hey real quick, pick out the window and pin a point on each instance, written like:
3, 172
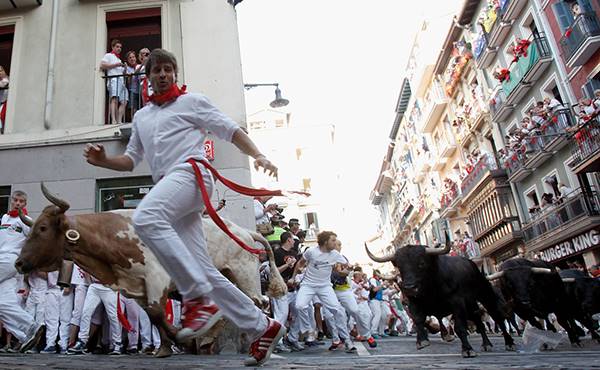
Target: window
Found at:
306, 185
551, 182
591, 85
279, 123
4, 199
123, 193
257, 125
532, 200
136, 29
298, 153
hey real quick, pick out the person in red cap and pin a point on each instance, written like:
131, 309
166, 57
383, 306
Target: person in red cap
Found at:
168, 132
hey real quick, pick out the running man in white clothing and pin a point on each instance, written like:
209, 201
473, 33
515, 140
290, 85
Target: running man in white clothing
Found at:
168, 132
320, 262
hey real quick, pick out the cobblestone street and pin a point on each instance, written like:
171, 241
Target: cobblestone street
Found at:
392, 353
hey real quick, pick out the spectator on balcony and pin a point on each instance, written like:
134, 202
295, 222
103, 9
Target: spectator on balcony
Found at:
576, 10
114, 68
3, 97
133, 82
596, 101
565, 191
144, 84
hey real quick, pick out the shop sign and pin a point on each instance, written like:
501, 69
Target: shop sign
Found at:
569, 247
209, 149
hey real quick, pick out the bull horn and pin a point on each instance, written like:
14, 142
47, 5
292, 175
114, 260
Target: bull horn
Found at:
568, 280
541, 270
440, 251
64, 206
26, 219
495, 275
378, 259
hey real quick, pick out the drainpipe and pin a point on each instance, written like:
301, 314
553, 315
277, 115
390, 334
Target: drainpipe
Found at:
564, 77
51, 58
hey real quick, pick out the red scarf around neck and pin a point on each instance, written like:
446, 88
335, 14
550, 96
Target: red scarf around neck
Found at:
15, 213
173, 93
115, 54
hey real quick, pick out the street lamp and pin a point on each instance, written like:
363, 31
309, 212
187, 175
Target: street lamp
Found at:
279, 101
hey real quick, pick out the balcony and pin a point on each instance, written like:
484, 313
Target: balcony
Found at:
573, 209
581, 40
447, 148
516, 168
484, 55
484, 165
527, 69
498, 107
500, 27
450, 199
585, 148
439, 163
513, 9
435, 103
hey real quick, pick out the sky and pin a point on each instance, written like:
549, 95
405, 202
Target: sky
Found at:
339, 62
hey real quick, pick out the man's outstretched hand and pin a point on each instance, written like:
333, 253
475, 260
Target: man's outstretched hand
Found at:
268, 167
94, 154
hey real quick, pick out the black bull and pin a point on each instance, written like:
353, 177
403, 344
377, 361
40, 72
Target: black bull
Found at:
534, 289
584, 294
440, 285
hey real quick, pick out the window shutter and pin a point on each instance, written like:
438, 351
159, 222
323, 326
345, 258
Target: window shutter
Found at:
563, 15
589, 87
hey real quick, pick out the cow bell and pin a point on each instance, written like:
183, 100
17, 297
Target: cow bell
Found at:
65, 273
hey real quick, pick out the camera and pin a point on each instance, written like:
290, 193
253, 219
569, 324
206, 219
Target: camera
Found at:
279, 210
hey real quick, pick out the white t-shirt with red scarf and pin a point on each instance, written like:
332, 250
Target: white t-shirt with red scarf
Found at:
13, 233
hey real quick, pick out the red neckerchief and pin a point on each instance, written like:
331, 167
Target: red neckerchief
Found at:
173, 93
15, 213
115, 54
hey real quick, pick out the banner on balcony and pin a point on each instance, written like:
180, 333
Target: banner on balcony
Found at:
572, 246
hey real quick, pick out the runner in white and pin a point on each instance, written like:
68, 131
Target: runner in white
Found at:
320, 261
168, 132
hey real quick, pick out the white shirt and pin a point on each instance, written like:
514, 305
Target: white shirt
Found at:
172, 133
110, 58
259, 213
13, 233
319, 266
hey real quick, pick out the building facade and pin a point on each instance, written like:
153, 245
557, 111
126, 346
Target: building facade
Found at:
56, 100
501, 134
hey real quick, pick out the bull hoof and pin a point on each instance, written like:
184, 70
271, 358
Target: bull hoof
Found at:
423, 344
510, 347
486, 348
164, 351
448, 338
469, 353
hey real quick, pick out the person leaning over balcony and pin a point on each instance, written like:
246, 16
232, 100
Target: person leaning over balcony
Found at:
3, 96
112, 64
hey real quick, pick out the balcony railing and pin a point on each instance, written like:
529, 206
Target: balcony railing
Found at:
483, 166
480, 46
586, 142
435, 102
121, 100
585, 26
497, 104
537, 50
571, 208
448, 198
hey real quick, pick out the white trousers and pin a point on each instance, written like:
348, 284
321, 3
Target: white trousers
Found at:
52, 314
281, 309
65, 304
35, 305
300, 320
328, 300
80, 293
13, 317
348, 301
132, 309
364, 311
169, 222
148, 332
375, 306
97, 294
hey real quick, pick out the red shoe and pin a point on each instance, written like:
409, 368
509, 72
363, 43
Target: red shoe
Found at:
261, 349
197, 319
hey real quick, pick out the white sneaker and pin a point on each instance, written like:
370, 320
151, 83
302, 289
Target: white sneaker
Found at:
34, 334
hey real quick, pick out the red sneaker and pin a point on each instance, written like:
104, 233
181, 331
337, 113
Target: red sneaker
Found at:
197, 319
261, 349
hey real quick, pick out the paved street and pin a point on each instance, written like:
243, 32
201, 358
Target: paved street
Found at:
392, 353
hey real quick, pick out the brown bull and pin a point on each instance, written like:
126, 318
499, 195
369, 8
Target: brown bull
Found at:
109, 250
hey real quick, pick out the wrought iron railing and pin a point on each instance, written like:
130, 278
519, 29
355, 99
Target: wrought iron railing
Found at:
538, 49
120, 88
483, 165
586, 25
586, 141
569, 209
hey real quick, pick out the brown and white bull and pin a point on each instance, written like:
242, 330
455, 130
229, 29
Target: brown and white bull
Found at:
109, 249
